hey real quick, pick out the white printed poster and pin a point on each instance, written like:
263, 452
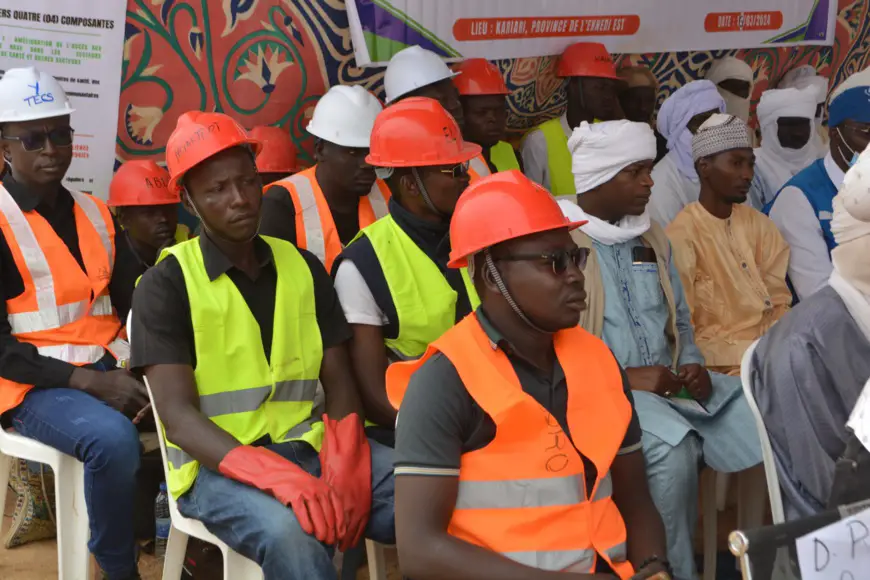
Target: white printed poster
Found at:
492, 29
80, 43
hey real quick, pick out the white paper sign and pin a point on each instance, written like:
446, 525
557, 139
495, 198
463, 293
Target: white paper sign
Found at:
840, 551
80, 43
859, 420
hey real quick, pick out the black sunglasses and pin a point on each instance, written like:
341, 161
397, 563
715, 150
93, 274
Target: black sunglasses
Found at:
35, 141
456, 171
558, 260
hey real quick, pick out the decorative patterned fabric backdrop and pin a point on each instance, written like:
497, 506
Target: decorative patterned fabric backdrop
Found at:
268, 61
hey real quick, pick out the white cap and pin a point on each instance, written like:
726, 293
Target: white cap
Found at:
345, 116
27, 94
413, 68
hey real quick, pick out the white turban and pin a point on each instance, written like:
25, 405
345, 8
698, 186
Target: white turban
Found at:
776, 103
806, 77
727, 68
600, 151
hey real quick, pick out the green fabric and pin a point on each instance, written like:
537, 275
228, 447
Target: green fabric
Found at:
425, 303
503, 157
558, 158
240, 391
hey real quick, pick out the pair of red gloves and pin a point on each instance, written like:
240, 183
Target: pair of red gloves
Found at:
335, 508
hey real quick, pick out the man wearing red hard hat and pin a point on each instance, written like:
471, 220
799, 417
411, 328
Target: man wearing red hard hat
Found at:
148, 211
234, 332
593, 96
392, 280
518, 450
483, 94
277, 160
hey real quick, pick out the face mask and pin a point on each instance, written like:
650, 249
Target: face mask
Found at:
855, 154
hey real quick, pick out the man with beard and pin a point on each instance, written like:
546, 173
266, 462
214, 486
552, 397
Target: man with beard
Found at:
148, 212
593, 96
731, 258
322, 208
636, 305
393, 282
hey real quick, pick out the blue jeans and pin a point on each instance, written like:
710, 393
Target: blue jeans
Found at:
259, 527
80, 425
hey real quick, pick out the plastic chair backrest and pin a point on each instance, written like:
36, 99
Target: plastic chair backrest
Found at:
773, 489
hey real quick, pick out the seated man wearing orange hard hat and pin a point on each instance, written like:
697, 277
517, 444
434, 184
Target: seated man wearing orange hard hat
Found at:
518, 450
148, 212
417, 72
392, 280
234, 331
593, 95
322, 208
483, 94
277, 160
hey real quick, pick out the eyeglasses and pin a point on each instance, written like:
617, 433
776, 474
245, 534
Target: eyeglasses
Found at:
456, 171
59, 137
558, 260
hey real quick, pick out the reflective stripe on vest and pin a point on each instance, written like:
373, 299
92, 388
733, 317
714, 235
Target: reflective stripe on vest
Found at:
558, 158
64, 309
504, 157
524, 494
315, 227
478, 168
424, 300
239, 390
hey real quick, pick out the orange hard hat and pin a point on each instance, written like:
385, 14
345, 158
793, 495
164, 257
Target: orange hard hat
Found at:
498, 208
479, 77
418, 132
141, 183
279, 152
586, 59
198, 136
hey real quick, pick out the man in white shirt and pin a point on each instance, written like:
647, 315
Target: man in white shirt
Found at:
802, 210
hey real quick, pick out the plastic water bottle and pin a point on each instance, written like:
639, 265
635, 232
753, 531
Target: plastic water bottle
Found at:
162, 521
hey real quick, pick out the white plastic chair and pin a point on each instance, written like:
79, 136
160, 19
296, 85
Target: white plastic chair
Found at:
73, 557
773, 490
236, 566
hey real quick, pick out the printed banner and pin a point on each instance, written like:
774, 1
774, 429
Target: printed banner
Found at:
80, 43
494, 29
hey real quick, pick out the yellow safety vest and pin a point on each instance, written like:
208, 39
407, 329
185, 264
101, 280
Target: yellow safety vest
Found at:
503, 156
424, 300
558, 158
182, 233
239, 390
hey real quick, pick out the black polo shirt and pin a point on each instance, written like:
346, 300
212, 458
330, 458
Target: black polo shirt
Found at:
162, 330
279, 217
439, 421
20, 362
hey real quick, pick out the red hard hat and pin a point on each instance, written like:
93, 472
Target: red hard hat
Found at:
141, 183
418, 132
197, 137
279, 152
501, 207
586, 59
479, 77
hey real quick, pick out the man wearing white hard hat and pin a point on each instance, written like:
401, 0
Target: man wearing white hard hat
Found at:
322, 208
812, 366
60, 349
417, 72
803, 209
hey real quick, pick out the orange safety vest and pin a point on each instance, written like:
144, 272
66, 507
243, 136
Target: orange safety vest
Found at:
66, 313
524, 495
478, 168
315, 228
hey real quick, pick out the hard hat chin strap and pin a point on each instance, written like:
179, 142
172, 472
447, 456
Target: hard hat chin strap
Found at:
209, 229
499, 282
426, 198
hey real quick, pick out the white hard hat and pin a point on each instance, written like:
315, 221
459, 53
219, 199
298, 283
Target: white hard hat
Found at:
413, 68
28, 94
345, 116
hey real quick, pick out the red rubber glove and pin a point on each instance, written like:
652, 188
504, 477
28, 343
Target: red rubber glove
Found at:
346, 462
317, 507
